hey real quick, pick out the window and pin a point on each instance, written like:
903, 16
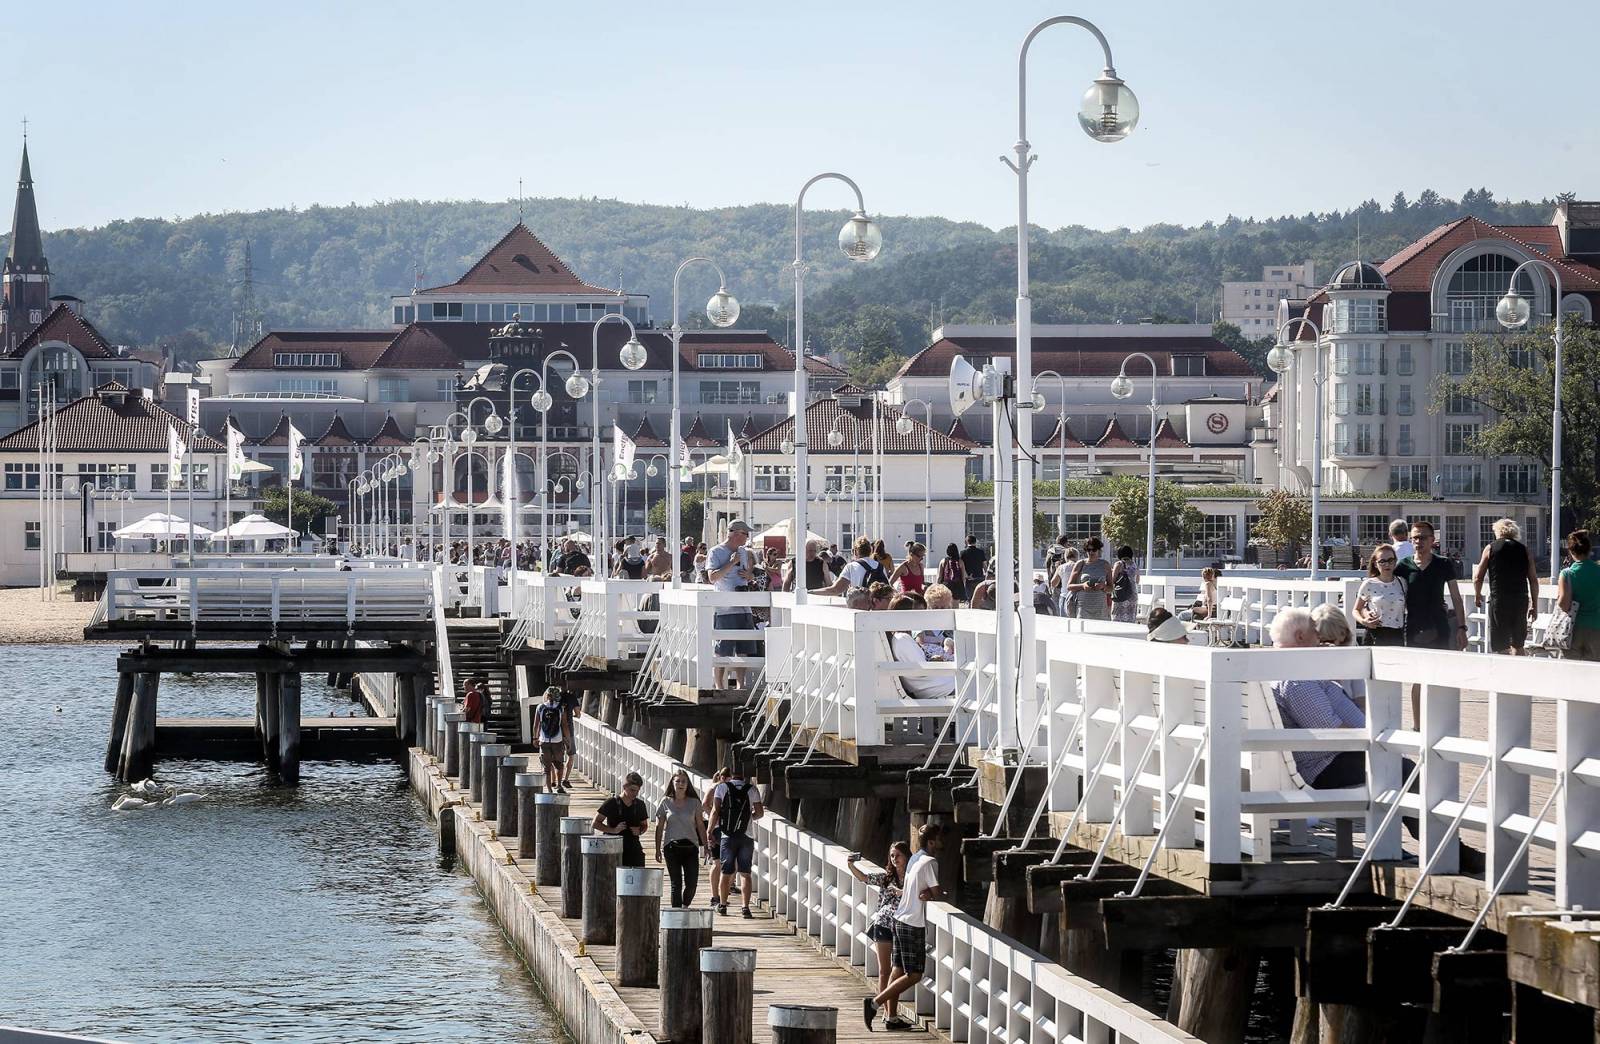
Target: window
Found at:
1364, 444
1402, 443
730, 393
8, 379
841, 478
1335, 527
1461, 438
104, 541
22, 476
1188, 366
306, 360
728, 361
1341, 439
1520, 357
202, 478
1476, 288
642, 391
980, 528
1456, 402
1372, 529
1341, 360
394, 389
774, 478
107, 476
1341, 400
1364, 315
1403, 366
332, 470
1461, 480
303, 385
1455, 533
1214, 536
444, 389
1518, 480
919, 533
1485, 529
1457, 358
1365, 401
1408, 478
1366, 358
30, 536
1402, 403
1078, 528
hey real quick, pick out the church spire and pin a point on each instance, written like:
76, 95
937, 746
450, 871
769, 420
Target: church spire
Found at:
26, 253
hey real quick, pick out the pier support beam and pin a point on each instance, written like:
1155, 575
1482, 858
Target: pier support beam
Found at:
289, 727
267, 712
119, 719
406, 729
1211, 991
700, 751
139, 736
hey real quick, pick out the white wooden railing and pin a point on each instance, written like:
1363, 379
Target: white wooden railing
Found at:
688, 633
611, 624
229, 595
550, 605
980, 985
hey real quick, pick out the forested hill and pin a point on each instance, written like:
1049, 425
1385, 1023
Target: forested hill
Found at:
150, 281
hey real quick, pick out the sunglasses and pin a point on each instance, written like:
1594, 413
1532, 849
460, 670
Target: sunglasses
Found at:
1386, 561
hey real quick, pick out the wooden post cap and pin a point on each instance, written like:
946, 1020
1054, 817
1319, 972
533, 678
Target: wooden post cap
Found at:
727, 959
526, 780
575, 824
802, 1016
677, 919
600, 844
637, 880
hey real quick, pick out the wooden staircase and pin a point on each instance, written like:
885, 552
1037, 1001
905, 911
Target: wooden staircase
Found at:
475, 649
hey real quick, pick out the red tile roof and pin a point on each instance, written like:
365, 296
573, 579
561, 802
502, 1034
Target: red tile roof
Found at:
111, 420
697, 437
521, 262
389, 434
1054, 440
278, 436
1413, 268
958, 431
645, 435
435, 346
63, 324
357, 349
337, 434
748, 432
1114, 437
854, 421
1167, 437
1080, 356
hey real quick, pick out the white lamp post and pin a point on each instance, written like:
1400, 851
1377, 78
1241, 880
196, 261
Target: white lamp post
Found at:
905, 426
632, 356
860, 239
577, 386
1108, 113
1061, 456
1122, 388
1514, 311
723, 311
1279, 359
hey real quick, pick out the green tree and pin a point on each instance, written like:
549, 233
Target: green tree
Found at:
1285, 521
1125, 518
691, 513
309, 508
1509, 376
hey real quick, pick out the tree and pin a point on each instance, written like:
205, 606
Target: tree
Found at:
1285, 521
309, 508
692, 513
1508, 376
1254, 351
1124, 521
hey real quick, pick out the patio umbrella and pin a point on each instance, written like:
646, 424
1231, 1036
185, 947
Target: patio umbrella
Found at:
160, 526
253, 527
782, 530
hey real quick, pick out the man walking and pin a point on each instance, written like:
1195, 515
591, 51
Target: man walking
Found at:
626, 815
972, 560
910, 947
728, 568
735, 804
549, 732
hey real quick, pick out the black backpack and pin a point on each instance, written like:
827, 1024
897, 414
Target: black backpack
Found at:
1122, 590
550, 721
736, 807
874, 574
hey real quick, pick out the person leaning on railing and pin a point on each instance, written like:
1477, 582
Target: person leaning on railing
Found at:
889, 883
907, 649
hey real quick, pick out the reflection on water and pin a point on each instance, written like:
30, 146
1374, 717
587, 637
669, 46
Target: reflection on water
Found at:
264, 913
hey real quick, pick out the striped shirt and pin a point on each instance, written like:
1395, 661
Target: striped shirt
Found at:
1315, 704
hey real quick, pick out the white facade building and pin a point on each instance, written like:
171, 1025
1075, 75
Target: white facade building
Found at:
1252, 306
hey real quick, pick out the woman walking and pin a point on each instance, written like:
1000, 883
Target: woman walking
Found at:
911, 575
1578, 592
889, 883
713, 840
1125, 587
1090, 581
680, 837
952, 573
1381, 599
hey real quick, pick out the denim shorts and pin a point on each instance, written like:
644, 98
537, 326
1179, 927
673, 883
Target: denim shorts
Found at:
738, 854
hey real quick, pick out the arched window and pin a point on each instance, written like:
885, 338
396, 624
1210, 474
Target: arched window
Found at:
479, 480
1477, 286
1576, 306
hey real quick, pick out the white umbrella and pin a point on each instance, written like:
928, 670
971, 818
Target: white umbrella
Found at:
782, 530
717, 465
253, 467
580, 537
253, 527
160, 526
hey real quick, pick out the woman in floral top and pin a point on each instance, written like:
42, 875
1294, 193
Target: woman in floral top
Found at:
879, 929
1381, 599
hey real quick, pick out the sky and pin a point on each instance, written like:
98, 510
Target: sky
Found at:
165, 109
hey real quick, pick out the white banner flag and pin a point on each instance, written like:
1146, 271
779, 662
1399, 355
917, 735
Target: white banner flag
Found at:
685, 465
297, 464
175, 448
623, 450
193, 404
235, 453
734, 456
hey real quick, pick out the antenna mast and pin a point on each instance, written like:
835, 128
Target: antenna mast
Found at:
247, 326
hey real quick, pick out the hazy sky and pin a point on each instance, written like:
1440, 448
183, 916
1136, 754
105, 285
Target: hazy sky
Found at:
165, 108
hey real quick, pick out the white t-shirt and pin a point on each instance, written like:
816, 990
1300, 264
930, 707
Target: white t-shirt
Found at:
922, 872
855, 573
1404, 549
906, 650
1387, 601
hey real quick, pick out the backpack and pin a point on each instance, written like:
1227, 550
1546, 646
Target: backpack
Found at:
736, 807
874, 572
1122, 590
948, 574
550, 721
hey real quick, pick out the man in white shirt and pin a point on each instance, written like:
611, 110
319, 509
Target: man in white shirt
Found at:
862, 571
1399, 529
910, 949
729, 568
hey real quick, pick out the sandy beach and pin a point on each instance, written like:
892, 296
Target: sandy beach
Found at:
26, 618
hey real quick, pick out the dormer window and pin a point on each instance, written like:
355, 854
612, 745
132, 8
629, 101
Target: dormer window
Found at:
306, 360
728, 361
1358, 315
1188, 366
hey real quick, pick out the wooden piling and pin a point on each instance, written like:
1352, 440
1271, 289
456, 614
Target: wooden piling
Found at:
684, 933
488, 777
573, 830
511, 766
450, 748
269, 717
529, 785
119, 719
602, 854
464, 733
803, 1024
549, 823
406, 729
139, 738
289, 727
421, 691
727, 994
638, 922
476, 742
700, 751
1211, 991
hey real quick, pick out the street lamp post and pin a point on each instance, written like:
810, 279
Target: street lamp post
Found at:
861, 240
1122, 387
904, 426
722, 310
1514, 311
1061, 447
632, 356
1279, 359
1108, 113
